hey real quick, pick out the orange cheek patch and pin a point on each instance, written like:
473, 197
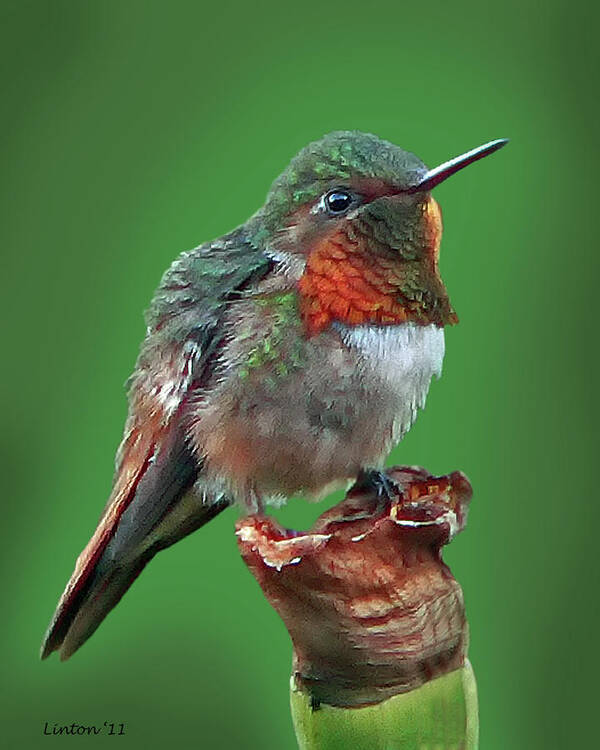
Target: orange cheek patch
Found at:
433, 227
341, 283
346, 280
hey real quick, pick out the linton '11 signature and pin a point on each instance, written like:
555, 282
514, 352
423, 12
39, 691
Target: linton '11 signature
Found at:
106, 728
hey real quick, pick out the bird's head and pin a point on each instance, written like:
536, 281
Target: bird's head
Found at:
356, 212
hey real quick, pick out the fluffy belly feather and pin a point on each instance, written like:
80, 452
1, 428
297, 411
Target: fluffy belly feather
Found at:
354, 395
400, 361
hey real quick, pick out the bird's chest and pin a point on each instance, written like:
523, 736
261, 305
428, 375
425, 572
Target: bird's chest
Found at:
394, 365
292, 413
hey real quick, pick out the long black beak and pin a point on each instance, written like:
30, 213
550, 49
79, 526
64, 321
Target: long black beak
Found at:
439, 174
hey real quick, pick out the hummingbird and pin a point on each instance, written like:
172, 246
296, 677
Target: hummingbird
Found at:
287, 357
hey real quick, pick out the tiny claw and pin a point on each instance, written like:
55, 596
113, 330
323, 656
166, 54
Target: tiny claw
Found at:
373, 482
378, 481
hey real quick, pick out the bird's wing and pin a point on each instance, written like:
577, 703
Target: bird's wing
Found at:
149, 507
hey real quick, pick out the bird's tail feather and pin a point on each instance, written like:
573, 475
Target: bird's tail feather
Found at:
149, 509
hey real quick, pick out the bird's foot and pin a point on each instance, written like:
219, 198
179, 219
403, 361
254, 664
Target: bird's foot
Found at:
379, 488
375, 480
254, 503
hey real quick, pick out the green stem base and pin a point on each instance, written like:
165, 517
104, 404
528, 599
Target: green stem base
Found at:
440, 715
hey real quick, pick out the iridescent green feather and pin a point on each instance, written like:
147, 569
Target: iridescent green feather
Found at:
279, 352
331, 161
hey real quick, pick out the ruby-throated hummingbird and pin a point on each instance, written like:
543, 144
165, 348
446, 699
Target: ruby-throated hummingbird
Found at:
286, 357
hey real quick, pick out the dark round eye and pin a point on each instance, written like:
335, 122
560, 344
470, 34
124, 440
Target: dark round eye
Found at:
338, 201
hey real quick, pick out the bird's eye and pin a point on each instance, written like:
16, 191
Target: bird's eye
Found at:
337, 202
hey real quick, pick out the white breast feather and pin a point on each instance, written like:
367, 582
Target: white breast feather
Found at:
402, 359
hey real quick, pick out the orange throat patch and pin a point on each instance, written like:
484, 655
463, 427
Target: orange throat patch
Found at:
347, 281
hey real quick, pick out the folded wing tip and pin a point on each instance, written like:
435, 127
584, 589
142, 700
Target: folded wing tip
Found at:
50, 641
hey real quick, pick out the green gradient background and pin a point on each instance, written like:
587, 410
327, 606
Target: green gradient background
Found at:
135, 130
